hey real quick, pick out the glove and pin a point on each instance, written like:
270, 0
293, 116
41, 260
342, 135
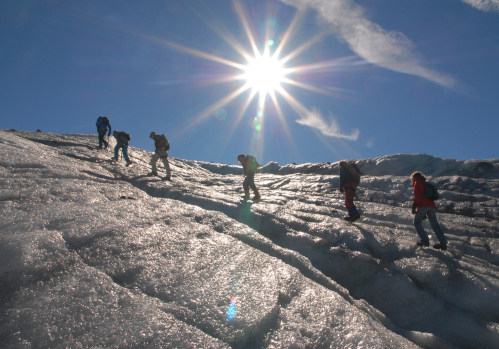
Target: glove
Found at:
414, 209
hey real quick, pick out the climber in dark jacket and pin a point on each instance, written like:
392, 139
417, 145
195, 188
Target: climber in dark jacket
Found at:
102, 127
249, 168
122, 139
349, 180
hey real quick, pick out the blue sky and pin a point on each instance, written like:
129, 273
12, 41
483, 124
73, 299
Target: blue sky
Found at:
360, 78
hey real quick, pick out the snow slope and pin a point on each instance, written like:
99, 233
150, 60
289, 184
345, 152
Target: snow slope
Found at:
93, 254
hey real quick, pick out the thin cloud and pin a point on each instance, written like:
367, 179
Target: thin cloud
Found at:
484, 5
314, 119
390, 50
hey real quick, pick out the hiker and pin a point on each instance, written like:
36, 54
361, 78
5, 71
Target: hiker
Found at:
102, 127
349, 180
249, 168
122, 139
162, 146
424, 207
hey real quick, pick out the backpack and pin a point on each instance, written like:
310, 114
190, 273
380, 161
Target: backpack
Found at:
253, 163
354, 172
99, 121
119, 134
430, 191
167, 144
102, 121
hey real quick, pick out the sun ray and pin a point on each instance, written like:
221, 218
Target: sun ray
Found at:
334, 65
239, 116
303, 47
280, 114
299, 108
201, 54
227, 36
244, 21
309, 87
292, 28
214, 107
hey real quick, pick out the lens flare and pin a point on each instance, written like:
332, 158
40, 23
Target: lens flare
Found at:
256, 124
231, 310
221, 114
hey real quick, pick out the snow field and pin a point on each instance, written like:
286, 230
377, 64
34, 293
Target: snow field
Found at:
96, 254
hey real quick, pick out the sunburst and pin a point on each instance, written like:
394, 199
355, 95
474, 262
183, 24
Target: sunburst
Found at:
264, 74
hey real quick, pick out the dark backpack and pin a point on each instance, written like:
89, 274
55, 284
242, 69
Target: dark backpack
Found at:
167, 144
99, 122
430, 191
357, 173
351, 173
102, 121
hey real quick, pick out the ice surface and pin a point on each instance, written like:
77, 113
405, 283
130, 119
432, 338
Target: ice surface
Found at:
94, 254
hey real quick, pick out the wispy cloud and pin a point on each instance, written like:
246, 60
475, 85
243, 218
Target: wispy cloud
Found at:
390, 50
314, 119
484, 5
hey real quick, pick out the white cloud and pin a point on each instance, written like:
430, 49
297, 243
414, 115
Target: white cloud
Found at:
314, 119
484, 5
390, 50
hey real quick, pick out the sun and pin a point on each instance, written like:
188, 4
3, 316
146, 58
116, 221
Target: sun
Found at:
264, 74
268, 75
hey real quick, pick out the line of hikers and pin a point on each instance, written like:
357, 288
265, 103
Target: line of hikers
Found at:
423, 204
122, 138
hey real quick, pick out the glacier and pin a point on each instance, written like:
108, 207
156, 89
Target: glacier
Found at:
95, 254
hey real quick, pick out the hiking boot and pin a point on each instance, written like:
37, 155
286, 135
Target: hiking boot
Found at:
167, 178
355, 217
440, 247
423, 243
153, 173
129, 163
256, 197
352, 218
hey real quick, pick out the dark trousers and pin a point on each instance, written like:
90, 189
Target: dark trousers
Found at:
249, 182
102, 134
